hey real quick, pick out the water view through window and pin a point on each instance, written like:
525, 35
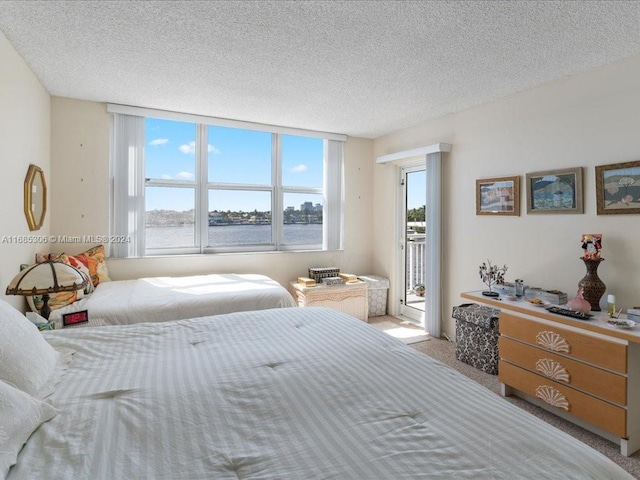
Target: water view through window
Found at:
170, 236
238, 183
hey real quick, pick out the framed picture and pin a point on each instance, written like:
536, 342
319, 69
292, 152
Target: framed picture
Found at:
498, 196
618, 188
555, 191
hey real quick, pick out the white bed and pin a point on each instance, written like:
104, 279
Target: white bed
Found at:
295, 393
159, 299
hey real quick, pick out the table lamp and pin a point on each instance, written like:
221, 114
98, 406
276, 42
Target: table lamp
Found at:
50, 276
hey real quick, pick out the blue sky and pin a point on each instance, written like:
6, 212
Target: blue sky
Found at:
416, 189
234, 156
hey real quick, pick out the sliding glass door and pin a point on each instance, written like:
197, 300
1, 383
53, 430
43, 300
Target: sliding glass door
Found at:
412, 243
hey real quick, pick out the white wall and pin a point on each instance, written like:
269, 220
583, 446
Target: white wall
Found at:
25, 139
586, 120
80, 205
79, 170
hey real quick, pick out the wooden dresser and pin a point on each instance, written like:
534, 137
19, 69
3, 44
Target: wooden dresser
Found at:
583, 370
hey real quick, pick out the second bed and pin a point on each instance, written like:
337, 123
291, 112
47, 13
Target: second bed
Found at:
159, 299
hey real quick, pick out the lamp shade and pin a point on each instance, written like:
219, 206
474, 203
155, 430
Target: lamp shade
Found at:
47, 277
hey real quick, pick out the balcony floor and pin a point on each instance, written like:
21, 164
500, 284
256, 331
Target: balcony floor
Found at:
414, 301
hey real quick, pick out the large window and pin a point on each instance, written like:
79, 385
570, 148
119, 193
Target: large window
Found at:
187, 184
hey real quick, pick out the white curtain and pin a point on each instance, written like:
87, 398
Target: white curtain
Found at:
432, 258
127, 184
334, 195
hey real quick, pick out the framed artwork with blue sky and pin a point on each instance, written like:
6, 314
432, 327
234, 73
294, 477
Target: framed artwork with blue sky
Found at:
618, 188
555, 191
498, 196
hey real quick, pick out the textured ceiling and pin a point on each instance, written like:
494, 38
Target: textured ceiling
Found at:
363, 68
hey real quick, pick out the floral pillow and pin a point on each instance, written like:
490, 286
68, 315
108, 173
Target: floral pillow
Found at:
95, 261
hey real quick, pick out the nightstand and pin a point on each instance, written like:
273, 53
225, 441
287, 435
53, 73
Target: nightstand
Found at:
350, 298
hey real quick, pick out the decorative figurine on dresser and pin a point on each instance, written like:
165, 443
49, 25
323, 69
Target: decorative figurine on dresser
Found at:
592, 287
591, 244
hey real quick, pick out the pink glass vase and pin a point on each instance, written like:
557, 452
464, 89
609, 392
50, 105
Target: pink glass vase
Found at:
579, 304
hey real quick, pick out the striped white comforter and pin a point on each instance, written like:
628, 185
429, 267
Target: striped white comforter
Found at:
159, 299
295, 393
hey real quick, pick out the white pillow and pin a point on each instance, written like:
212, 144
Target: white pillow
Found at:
27, 361
20, 416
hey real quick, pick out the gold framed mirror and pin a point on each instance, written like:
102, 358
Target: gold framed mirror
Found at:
35, 197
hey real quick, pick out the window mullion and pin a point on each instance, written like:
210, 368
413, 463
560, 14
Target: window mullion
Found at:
239, 186
276, 196
150, 182
202, 172
312, 190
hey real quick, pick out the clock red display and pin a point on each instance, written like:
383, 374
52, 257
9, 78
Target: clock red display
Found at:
75, 318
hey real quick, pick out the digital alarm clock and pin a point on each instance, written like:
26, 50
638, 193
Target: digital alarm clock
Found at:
74, 318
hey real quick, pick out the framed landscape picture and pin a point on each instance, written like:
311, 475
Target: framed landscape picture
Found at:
498, 196
555, 191
618, 188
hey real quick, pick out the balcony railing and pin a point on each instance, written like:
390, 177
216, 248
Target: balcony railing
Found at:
415, 260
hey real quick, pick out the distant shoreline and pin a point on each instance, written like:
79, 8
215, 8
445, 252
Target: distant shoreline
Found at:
249, 224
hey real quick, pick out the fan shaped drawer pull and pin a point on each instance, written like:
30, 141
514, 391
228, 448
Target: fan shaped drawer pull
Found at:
552, 369
553, 341
552, 396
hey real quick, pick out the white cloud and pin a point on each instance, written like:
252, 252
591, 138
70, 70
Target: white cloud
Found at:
158, 142
299, 168
166, 176
190, 148
185, 176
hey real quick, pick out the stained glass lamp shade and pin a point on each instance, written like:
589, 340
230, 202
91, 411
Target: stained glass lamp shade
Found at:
44, 278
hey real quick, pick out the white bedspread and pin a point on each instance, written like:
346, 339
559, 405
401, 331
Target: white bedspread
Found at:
159, 299
296, 393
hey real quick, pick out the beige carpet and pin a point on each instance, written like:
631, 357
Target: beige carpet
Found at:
444, 351
406, 331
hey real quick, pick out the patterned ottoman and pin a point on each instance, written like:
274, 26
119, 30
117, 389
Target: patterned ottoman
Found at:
477, 336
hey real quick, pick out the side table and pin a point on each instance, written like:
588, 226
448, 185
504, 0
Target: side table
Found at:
350, 298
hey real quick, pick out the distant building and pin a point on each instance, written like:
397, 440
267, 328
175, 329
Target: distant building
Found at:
290, 209
306, 206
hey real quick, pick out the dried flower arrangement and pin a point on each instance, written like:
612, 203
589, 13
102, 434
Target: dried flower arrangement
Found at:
492, 275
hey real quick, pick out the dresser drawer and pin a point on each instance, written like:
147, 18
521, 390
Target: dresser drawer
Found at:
590, 348
563, 398
602, 383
